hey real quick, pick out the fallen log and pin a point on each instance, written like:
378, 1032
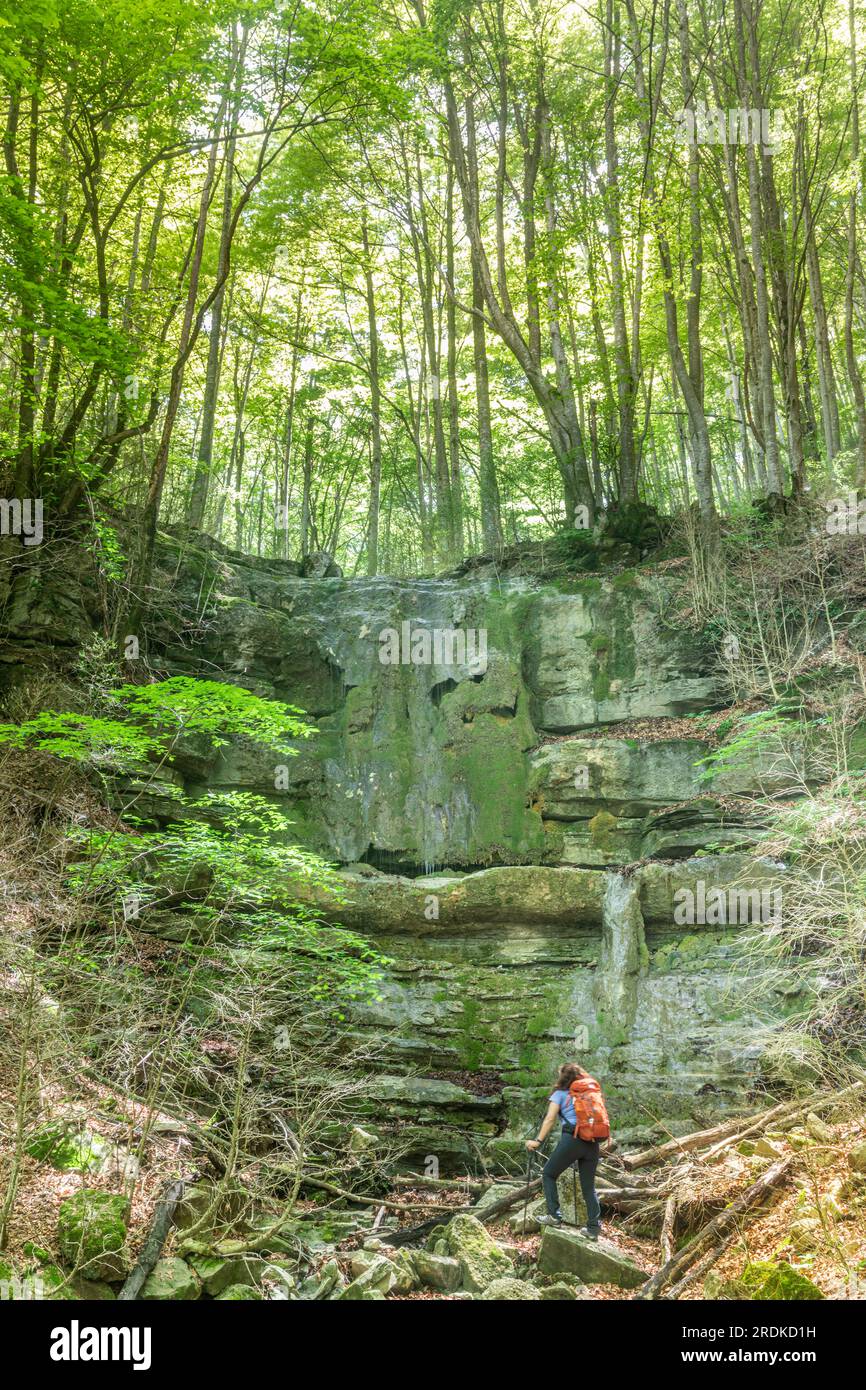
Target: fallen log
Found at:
704, 1264
719, 1226
793, 1110
154, 1241
702, 1138
733, 1131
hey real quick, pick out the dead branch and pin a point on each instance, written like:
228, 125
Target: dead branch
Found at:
718, 1227
156, 1238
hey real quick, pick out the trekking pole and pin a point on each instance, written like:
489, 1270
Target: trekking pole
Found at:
574, 1190
529, 1157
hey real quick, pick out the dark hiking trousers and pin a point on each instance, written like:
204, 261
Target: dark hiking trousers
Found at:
568, 1151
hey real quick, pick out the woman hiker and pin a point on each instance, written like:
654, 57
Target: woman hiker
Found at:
578, 1103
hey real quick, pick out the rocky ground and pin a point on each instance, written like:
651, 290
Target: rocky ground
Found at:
92, 1176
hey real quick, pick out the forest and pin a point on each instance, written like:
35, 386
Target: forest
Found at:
406, 284
432, 652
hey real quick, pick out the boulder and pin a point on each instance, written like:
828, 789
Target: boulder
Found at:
196, 1202
765, 1148
560, 1292
66, 1146
820, 1132
377, 1280
171, 1279
217, 1273
479, 1257
361, 1141
436, 1271
571, 1204
323, 1284
91, 1233
857, 1159
773, 1281
594, 1262
360, 1261
806, 1233
509, 1289
320, 564
238, 1293
494, 1193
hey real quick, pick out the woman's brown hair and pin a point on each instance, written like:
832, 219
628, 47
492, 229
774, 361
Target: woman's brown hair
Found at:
568, 1072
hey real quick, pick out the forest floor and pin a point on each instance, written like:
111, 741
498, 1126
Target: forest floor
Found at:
814, 1221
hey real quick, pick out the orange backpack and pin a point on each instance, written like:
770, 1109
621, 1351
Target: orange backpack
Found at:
589, 1107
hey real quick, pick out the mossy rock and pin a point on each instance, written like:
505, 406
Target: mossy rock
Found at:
217, 1274
509, 1289
67, 1148
772, 1281
857, 1159
480, 1258
45, 1282
171, 1280
239, 1293
91, 1233
558, 1293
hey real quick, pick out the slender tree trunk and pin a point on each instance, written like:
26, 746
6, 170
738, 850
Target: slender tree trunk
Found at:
749, 98
453, 401
204, 460
375, 406
624, 380
488, 485
823, 353
307, 488
854, 374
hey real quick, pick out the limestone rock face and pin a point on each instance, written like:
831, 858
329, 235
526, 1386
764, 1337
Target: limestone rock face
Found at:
479, 776
594, 1262
524, 894
598, 655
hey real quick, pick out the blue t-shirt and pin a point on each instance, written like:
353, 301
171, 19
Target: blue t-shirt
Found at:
566, 1106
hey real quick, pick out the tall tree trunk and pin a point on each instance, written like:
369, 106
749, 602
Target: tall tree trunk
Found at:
453, 401
204, 460
854, 374
560, 414
307, 487
375, 406
624, 380
749, 97
823, 353
488, 485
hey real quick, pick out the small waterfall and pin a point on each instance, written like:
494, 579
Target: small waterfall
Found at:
623, 955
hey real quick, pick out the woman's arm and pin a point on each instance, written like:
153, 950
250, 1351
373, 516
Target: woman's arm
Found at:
546, 1126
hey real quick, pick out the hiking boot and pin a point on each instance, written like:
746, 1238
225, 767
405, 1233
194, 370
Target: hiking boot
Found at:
550, 1220
589, 1234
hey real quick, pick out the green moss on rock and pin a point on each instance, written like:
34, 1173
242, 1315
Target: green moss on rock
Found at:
172, 1280
480, 1258
772, 1280
91, 1233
